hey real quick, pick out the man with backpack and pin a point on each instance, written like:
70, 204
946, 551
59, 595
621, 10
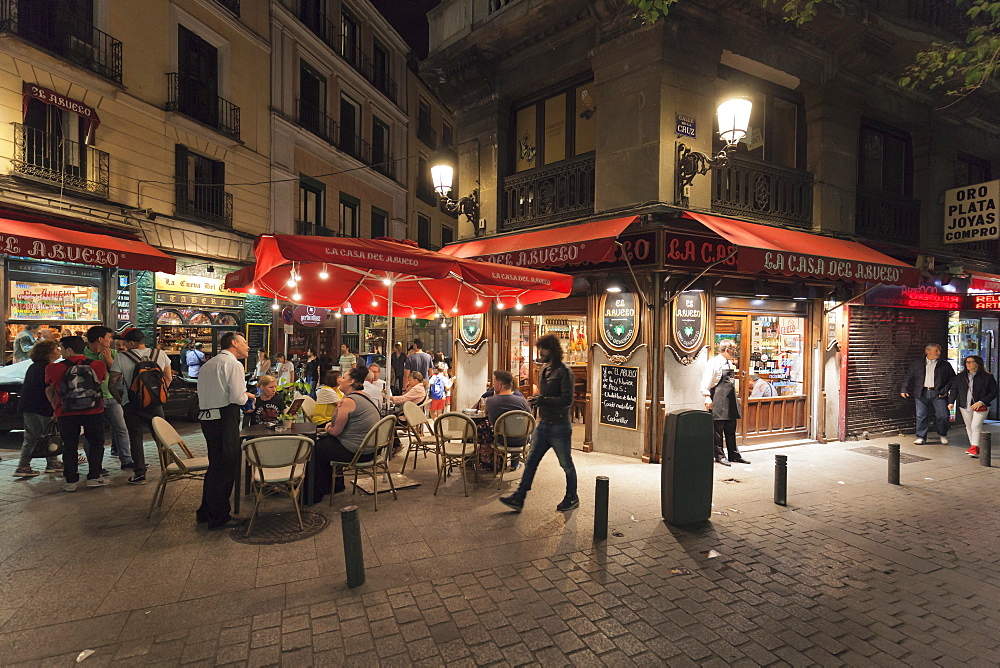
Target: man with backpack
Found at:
100, 347
146, 375
73, 387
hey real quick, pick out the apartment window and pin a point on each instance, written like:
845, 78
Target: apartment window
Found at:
776, 133
553, 129
423, 231
447, 235
198, 77
380, 223
380, 65
447, 136
970, 169
311, 217
425, 185
312, 98
200, 187
350, 36
425, 132
349, 207
885, 160
380, 146
350, 126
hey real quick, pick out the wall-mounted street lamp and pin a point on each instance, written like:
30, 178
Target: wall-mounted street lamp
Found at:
734, 121
442, 175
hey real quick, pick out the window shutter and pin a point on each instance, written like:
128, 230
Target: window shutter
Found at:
181, 174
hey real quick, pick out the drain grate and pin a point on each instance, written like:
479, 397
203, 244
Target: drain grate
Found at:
883, 453
279, 528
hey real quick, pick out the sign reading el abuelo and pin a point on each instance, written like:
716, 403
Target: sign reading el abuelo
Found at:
620, 320
970, 213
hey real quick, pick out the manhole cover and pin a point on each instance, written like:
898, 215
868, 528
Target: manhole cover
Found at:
883, 453
278, 528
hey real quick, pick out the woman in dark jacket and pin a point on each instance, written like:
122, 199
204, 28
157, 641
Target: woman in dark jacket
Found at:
36, 409
973, 391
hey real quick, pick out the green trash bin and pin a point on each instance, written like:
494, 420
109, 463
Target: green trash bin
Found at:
687, 467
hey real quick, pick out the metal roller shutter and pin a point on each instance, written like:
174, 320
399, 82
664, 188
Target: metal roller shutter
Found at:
882, 342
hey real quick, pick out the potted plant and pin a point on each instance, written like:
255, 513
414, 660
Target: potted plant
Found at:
286, 420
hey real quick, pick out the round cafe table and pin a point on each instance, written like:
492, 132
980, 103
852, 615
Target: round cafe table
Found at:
261, 431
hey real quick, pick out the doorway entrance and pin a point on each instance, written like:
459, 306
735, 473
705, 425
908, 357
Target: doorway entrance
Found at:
771, 374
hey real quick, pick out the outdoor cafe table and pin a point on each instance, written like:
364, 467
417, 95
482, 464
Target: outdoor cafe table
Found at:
261, 431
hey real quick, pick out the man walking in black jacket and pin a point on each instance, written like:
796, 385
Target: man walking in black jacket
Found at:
929, 380
554, 430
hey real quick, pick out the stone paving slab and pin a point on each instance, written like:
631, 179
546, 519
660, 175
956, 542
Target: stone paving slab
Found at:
852, 572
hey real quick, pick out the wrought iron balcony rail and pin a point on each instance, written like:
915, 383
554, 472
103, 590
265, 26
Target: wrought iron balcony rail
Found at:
189, 95
384, 164
66, 35
208, 203
317, 22
497, 5
882, 216
756, 189
231, 5
314, 230
351, 51
558, 192
427, 135
945, 16
313, 119
57, 160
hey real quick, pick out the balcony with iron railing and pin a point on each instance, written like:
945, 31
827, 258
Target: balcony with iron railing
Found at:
549, 194
756, 189
190, 96
204, 202
231, 5
60, 162
65, 35
888, 217
314, 230
427, 135
315, 120
316, 21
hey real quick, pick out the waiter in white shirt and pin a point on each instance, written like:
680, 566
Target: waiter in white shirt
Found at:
928, 380
221, 394
718, 386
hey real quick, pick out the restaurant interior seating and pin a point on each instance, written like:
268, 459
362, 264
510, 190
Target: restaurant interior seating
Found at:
510, 425
455, 434
173, 466
278, 465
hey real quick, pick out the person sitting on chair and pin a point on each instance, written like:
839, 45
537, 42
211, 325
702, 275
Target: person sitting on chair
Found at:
355, 416
413, 390
268, 406
328, 395
503, 401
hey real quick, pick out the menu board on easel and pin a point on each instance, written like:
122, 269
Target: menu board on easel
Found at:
619, 396
257, 337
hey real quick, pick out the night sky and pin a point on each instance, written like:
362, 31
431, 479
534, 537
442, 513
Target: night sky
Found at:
409, 18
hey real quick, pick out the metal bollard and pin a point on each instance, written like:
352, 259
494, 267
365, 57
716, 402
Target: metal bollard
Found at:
894, 463
354, 557
985, 448
781, 480
601, 495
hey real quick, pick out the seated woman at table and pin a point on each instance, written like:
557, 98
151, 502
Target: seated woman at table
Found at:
268, 406
356, 415
413, 390
328, 395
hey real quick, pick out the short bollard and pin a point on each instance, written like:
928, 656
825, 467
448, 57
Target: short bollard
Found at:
781, 480
353, 555
894, 463
985, 449
601, 508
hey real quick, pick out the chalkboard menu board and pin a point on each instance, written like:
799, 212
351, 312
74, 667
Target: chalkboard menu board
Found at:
257, 337
619, 396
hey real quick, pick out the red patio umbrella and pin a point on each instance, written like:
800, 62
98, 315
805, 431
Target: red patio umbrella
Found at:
386, 276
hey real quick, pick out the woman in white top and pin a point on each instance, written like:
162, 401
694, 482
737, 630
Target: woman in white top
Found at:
263, 367
328, 396
284, 370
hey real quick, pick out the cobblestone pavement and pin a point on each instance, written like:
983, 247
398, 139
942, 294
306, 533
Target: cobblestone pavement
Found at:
852, 572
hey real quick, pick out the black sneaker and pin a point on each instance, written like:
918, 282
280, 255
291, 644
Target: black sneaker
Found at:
137, 480
513, 502
568, 504
127, 465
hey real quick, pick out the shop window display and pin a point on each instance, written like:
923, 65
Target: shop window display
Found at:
963, 339
776, 355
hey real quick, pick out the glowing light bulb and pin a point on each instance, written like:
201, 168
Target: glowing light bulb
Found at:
479, 302
374, 302
336, 314
252, 290
518, 306
413, 315
323, 274
274, 306
500, 305
291, 281
386, 281
443, 324
296, 297
296, 277
454, 309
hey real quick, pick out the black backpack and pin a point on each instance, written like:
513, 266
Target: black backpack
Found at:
148, 388
80, 390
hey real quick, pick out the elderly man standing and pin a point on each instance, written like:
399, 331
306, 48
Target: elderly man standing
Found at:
221, 395
928, 380
718, 385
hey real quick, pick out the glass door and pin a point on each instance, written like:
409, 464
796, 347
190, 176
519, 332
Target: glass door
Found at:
520, 359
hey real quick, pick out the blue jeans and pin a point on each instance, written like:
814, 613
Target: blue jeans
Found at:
924, 401
114, 416
555, 435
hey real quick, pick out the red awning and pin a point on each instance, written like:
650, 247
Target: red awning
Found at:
543, 249
47, 242
984, 282
777, 250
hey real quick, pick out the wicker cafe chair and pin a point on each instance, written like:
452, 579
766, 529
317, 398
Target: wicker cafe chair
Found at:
173, 466
416, 420
511, 425
379, 440
278, 464
456, 444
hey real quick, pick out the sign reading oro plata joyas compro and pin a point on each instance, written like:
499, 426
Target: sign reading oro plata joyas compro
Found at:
619, 320
619, 396
970, 213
